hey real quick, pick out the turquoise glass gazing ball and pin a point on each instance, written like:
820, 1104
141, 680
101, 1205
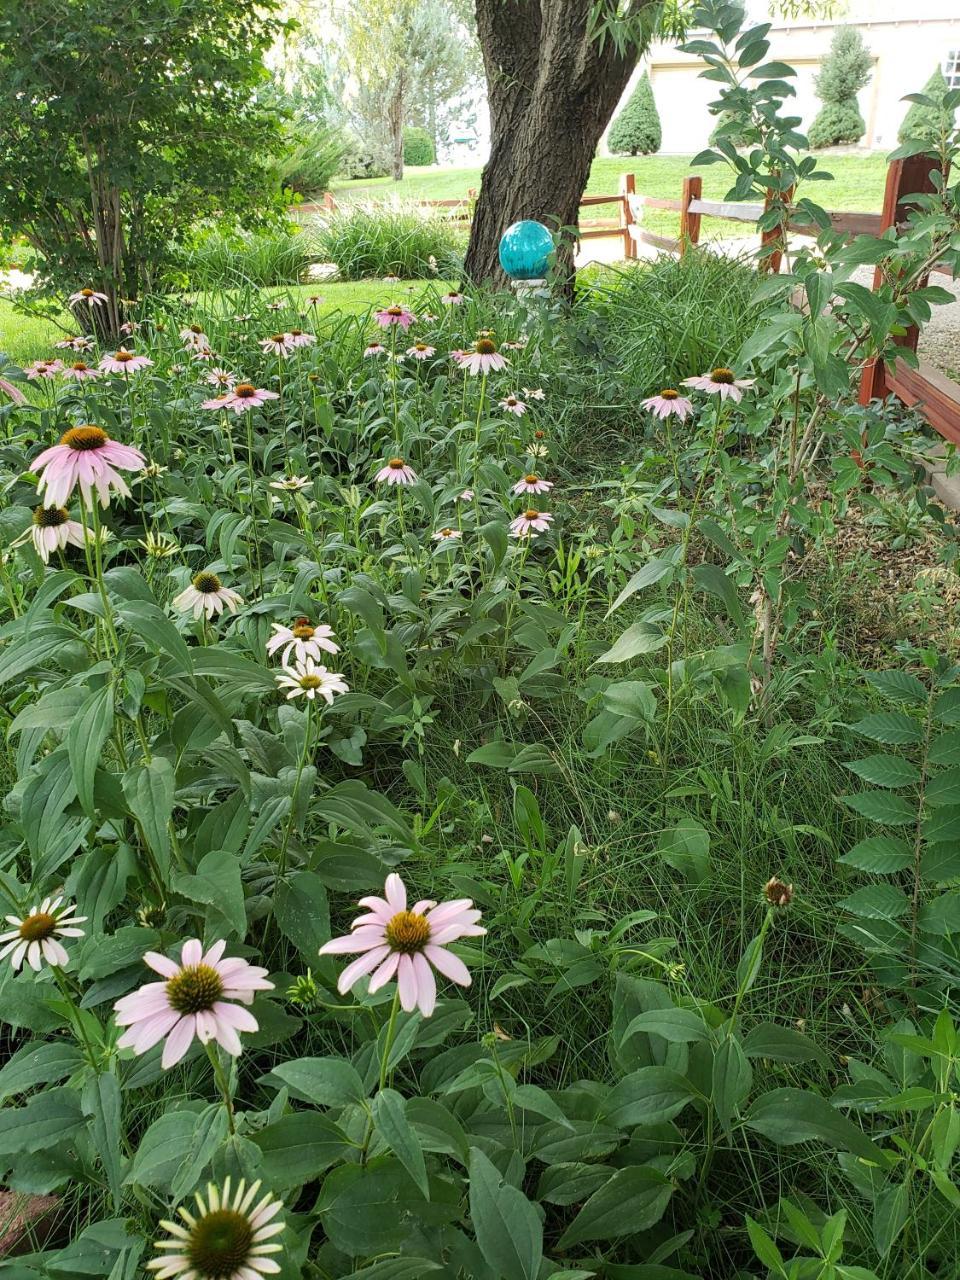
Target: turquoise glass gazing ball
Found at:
525, 250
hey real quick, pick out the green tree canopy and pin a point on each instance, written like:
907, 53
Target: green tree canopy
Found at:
925, 120
120, 128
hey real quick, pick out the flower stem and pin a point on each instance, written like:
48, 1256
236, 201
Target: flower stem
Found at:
388, 1042
223, 1084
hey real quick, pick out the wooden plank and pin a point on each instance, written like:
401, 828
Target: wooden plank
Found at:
588, 200
658, 202
731, 210
628, 188
658, 242
930, 391
690, 222
599, 233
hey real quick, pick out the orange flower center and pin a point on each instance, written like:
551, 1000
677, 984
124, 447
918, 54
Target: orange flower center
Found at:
279, 338
245, 390
532, 478
80, 366
668, 393
194, 989
37, 927
531, 514
123, 356
722, 375
302, 629
87, 293
396, 464
84, 438
408, 932
394, 311
485, 347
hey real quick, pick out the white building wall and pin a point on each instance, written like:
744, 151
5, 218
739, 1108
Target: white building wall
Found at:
905, 49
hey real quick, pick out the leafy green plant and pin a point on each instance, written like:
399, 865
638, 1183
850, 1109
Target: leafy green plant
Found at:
927, 113
386, 238
215, 258
418, 147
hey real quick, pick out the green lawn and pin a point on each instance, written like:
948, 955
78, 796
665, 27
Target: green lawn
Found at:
858, 181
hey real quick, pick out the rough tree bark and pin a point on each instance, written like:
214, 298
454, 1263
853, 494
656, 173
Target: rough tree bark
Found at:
552, 90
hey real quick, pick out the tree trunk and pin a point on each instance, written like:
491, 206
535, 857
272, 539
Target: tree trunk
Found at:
552, 90
395, 120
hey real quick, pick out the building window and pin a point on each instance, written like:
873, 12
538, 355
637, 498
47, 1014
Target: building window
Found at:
951, 68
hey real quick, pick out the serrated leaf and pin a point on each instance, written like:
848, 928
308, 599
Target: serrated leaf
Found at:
898, 684
881, 855
885, 771
877, 902
880, 806
893, 727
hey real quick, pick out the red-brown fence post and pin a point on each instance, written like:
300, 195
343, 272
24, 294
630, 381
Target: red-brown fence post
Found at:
774, 236
328, 202
690, 222
628, 187
904, 178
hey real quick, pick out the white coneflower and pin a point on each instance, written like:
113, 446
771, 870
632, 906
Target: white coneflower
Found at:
226, 1237
303, 640
290, 484
534, 393
447, 535
192, 335
279, 344
306, 679
159, 545
52, 530
34, 937
721, 382
207, 595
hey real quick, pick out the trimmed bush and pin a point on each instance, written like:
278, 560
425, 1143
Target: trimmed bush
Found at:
844, 72
923, 120
315, 156
361, 160
418, 146
636, 130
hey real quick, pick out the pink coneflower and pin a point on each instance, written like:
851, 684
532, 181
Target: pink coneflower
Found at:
34, 937
307, 679
303, 640
447, 535
396, 472
534, 393
532, 483
375, 349
513, 405
246, 396
531, 522
721, 382
89, 297
483, 358
224, 1237
207, 595
193, 335
669, 402
466, 496
420, 351
278, 344
85, 456
297, 338
124, 361
79, 371
130, 326
43, 369
518, 345
453, 298
394, 315
219, 378
14, 392
407, 944
52, 530
75, 344
222, 401
202, 354
278, 305
193, 1000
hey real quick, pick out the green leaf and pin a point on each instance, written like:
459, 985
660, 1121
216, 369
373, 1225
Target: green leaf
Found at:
885, 771
712, 579
217, 884
789, 1116
150, 623
881, 855
630, 698
646, 1097
209, 1133
637, 639
783, 1044
299, 1147
894, 727
941, 916
943, 788
900, 685
507, 1226
38, 1063
326, 1082
876, 902
764, 1247
390, 1121
879, 806
88, 731
732, 1080
405, 1268
160, 1153
368, 1209
100, 1101
43, 1122
633, 1200
646, 576
303, 913
149, 790
680, 1026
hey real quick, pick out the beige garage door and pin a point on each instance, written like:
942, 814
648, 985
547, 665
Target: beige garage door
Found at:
682, 98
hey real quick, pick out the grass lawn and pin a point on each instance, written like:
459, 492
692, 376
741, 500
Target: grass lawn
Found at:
857, 181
